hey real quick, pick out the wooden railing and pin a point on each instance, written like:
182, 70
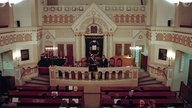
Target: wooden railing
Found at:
81, 75
160, 73
26, 73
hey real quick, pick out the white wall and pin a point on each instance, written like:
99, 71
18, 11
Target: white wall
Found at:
22, 12
165, 12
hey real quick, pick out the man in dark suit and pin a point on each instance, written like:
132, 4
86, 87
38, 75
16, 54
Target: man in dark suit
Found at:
103, 62
92, 59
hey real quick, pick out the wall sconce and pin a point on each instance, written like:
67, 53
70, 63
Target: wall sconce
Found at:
18, 59
135, 48
170, 56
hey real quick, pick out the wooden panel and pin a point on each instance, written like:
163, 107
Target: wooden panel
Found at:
52, 2
126, 60
60, 52
127, 50
144, 62
118, 49
69, 49
190, 74
69, 54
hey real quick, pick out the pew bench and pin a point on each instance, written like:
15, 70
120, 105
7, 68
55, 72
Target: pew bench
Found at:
48, 94
53, 102
163, 103
143, 95
143, 89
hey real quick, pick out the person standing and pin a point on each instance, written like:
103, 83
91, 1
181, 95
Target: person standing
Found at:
92, 59
103, 62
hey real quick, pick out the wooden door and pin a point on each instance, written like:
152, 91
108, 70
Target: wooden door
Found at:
190, 74
144, 62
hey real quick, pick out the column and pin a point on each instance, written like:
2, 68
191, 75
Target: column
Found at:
76, 75
82, 46
122, 53
110, 46
116, 75
105, 46
65, 49
77, 47
103, 75
63, 73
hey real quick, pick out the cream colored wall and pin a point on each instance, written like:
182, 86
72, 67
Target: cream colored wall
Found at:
165, 11
23, 13
33, 57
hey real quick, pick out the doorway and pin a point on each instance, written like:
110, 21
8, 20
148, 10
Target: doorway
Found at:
189, 83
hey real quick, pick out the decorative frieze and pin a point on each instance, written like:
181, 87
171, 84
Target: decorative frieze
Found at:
15, 37
120, 14
182, 39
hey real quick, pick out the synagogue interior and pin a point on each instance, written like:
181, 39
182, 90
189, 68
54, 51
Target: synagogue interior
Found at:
96, 53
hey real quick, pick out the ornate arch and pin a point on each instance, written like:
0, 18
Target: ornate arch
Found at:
94, 15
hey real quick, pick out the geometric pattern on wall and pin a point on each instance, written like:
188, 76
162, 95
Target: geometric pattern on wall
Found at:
175, 38
13, 38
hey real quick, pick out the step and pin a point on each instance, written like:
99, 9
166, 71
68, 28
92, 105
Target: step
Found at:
149, 83
143, 74
40, 78
37, 82
147, 79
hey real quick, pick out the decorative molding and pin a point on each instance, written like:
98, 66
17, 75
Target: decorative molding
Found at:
88, 16
181, 39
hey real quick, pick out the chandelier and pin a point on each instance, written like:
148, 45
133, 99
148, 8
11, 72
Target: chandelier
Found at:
10, 2
184, 2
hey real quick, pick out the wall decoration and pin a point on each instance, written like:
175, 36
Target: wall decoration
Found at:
24, 54
162, 54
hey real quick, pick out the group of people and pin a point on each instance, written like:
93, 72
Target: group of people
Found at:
100, 62
130, 104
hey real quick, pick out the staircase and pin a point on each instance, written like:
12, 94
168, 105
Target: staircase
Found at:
145, 80
40, 80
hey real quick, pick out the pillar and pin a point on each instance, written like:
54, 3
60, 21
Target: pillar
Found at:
82, 46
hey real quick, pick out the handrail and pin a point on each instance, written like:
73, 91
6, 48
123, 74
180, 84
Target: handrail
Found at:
28, 70
158, 71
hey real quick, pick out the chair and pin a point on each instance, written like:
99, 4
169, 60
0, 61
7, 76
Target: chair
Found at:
112, 62
119, 62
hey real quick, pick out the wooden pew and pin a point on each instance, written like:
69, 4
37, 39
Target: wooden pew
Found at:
159, 102
143, 95
48, 94
48, 88
32, 88
66, 88
55, 102
143, 89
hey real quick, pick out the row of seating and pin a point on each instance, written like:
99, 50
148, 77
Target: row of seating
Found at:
162, 95
143, 89
162, 103
50, 88
50, 96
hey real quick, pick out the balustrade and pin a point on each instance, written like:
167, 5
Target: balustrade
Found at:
81, 74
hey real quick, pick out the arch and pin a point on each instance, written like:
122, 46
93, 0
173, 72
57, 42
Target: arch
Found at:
120, 75
96, 15
112, 62
73, 75
79, 75
106, 75
60, 74
100, 75
86, 75
113, 74
126, 74
66, 75
119, 62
